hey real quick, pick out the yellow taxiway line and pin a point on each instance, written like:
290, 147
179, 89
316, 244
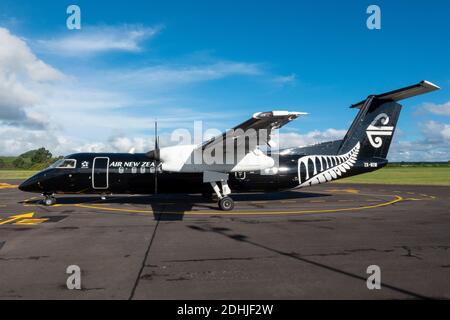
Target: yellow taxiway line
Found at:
99, 207
105, 207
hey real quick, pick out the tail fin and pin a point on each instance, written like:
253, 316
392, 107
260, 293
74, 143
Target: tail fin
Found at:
375, 123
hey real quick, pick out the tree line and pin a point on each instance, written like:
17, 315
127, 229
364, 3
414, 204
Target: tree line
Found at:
36, 159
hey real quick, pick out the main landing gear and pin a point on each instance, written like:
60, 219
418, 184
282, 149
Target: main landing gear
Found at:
225, 202
49, 199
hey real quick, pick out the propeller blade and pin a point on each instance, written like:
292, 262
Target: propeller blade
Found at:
156, 154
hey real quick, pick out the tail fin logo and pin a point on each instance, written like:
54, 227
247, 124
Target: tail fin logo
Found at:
374, 132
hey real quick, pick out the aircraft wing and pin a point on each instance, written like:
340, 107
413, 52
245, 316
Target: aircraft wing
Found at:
259, 127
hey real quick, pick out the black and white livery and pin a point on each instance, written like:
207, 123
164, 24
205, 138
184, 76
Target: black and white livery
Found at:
177, 169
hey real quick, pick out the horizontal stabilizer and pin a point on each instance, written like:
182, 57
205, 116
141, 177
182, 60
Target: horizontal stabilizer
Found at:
403, 93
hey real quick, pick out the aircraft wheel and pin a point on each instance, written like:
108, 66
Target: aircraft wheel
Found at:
226, 204
49, 201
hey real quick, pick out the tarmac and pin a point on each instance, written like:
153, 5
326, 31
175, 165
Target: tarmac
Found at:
313, 243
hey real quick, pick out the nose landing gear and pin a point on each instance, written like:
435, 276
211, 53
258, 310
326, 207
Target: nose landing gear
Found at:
49, 199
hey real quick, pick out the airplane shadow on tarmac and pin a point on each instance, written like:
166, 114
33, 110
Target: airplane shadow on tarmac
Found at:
172, 207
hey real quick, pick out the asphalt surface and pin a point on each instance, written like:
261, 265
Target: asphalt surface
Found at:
311, 244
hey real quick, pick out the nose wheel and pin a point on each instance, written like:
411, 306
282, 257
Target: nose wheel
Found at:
49, 200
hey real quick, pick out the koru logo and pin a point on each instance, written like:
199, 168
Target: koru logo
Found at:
375, 131
85, 164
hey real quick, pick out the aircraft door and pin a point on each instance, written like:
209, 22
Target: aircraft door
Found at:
100, 173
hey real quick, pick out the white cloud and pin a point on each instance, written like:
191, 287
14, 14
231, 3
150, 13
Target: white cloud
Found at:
436, 132
22, 75
15, 141
163, 75
433, 146
292, 139
18, 61
438, 109
98, 39
285, 80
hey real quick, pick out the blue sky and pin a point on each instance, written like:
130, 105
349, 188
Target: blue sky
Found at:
217, 61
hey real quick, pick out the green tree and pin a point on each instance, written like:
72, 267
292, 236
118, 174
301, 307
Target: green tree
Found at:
2, 164
19, 162
41, 155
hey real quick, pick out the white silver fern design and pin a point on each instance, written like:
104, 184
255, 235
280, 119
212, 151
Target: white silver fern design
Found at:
329, 168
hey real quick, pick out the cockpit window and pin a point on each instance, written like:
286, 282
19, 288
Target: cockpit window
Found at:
64, 164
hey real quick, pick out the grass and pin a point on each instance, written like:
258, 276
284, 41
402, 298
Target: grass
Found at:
389, 175
16, 174
404, 175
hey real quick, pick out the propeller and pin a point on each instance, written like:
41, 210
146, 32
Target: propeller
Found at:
155, 156
156, 153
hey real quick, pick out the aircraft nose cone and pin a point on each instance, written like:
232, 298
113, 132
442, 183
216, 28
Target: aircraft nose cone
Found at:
24, 186
29, 185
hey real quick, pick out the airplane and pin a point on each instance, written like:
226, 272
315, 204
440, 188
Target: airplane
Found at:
172, 169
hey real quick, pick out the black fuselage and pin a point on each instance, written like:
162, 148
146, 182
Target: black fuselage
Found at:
124, 173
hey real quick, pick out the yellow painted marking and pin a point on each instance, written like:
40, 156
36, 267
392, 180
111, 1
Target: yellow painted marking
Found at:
31, 222
7, 186
17, 217
414, 199
397, 199
410, 192
349, 190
